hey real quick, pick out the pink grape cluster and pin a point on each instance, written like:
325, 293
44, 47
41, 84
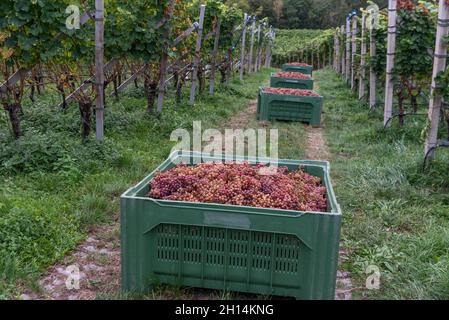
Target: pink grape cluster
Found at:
291, 92
241, 184
298, 64
292, 75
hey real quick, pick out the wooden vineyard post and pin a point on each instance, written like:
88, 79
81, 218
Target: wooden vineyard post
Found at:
251, 50
320, 60
256, 64
268, 49
343, 60
99, 72
256, 59
214, 57
326, 57
353, 51
164, 60
197, 57
337, 51
372, 74
363, 49
391, 47
348, 49
323, 58
334, 62
439, 65
262, 47
242, 61
334, 65
259, 64
273, 38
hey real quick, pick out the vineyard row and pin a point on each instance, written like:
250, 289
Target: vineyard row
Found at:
404, 48
138, 39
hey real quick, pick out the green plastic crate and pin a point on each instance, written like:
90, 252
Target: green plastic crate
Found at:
289, 68
231, 248
292, 83
289, 108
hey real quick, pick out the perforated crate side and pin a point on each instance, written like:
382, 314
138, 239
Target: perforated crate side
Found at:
290, 108
291, 83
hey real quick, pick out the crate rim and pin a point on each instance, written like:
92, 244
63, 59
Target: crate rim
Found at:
292, 65
324, 165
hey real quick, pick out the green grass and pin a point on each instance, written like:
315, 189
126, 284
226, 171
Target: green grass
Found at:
395, 216
54, 187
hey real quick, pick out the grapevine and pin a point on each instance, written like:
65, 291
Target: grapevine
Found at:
138, 36
310, 46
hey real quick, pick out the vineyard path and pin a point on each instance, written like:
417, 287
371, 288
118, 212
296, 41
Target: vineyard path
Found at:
317, 149
98, 257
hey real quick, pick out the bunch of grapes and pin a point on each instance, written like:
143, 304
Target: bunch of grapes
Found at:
405, 5
298, 64
293, 75
241, 184
291, 92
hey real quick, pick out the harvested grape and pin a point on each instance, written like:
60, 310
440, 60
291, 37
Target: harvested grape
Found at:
291, 92
240, 184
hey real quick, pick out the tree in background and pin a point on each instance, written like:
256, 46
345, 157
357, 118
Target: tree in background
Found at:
300, 14
295, 13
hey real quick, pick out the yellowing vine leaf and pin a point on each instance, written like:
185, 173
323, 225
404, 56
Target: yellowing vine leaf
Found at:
6, 53
3, 36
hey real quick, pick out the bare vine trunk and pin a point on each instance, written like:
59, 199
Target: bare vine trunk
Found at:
414, 103
447, 122
223, 74
105, 84
151, 92
179, 86
401, 107
13, 113
32, 92
115, 82
61, 90
201, 79
86, 116
119, 79
175, 79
